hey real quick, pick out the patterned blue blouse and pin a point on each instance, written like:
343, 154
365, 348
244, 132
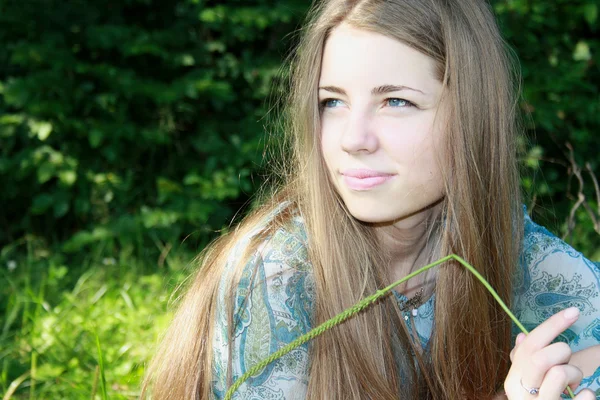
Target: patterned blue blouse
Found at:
278, 308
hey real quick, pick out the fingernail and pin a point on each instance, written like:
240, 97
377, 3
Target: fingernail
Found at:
571, 313
520, 338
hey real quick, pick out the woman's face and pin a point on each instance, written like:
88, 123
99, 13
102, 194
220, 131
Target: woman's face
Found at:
379, 133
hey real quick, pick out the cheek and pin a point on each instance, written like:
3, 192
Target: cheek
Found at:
432, 163
431, 159
408, 141
416, 148
328, 140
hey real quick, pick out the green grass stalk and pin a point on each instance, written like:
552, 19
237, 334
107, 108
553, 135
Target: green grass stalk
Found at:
14, 385
95, 384
101, 366
33, 369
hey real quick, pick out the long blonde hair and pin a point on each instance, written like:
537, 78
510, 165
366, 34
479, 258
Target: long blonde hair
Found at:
482, 222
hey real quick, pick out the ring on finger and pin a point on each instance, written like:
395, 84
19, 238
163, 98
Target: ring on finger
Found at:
531, 390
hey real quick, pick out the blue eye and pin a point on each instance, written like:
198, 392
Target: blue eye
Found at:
330, 103
396, 102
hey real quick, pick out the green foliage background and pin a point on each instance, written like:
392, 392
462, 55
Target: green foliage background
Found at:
132, 131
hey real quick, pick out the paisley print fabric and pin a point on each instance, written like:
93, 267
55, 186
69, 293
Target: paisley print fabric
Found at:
273, 308
275, 297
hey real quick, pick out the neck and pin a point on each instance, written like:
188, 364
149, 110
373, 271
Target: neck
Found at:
409, 244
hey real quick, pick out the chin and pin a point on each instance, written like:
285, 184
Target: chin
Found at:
384, 214
374, 216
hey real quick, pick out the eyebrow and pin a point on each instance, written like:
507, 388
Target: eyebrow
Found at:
375, 91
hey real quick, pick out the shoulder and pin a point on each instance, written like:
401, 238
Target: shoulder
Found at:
278, 274
553, 276
274, 260
272, 306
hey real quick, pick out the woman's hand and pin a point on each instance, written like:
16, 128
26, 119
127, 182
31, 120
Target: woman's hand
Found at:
587, 360
540, 369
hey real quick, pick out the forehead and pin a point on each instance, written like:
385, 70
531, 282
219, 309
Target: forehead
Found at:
355, 56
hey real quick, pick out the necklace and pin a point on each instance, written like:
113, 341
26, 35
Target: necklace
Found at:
413, 303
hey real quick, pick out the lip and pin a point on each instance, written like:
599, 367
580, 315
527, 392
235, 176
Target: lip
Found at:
364, 179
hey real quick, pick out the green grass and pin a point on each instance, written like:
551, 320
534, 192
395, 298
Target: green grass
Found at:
81, 332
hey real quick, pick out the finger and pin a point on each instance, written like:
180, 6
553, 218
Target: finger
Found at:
585, 394
588, 360
548, 330
540, 362
518, 341
558, 378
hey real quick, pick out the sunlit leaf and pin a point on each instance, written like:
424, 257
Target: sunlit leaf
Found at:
582, 52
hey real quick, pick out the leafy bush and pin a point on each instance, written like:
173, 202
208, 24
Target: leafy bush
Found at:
141, 122
557, 45
125, 121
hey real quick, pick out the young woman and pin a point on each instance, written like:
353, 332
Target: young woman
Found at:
402, 125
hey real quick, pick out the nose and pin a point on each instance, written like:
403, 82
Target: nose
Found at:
359, 135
